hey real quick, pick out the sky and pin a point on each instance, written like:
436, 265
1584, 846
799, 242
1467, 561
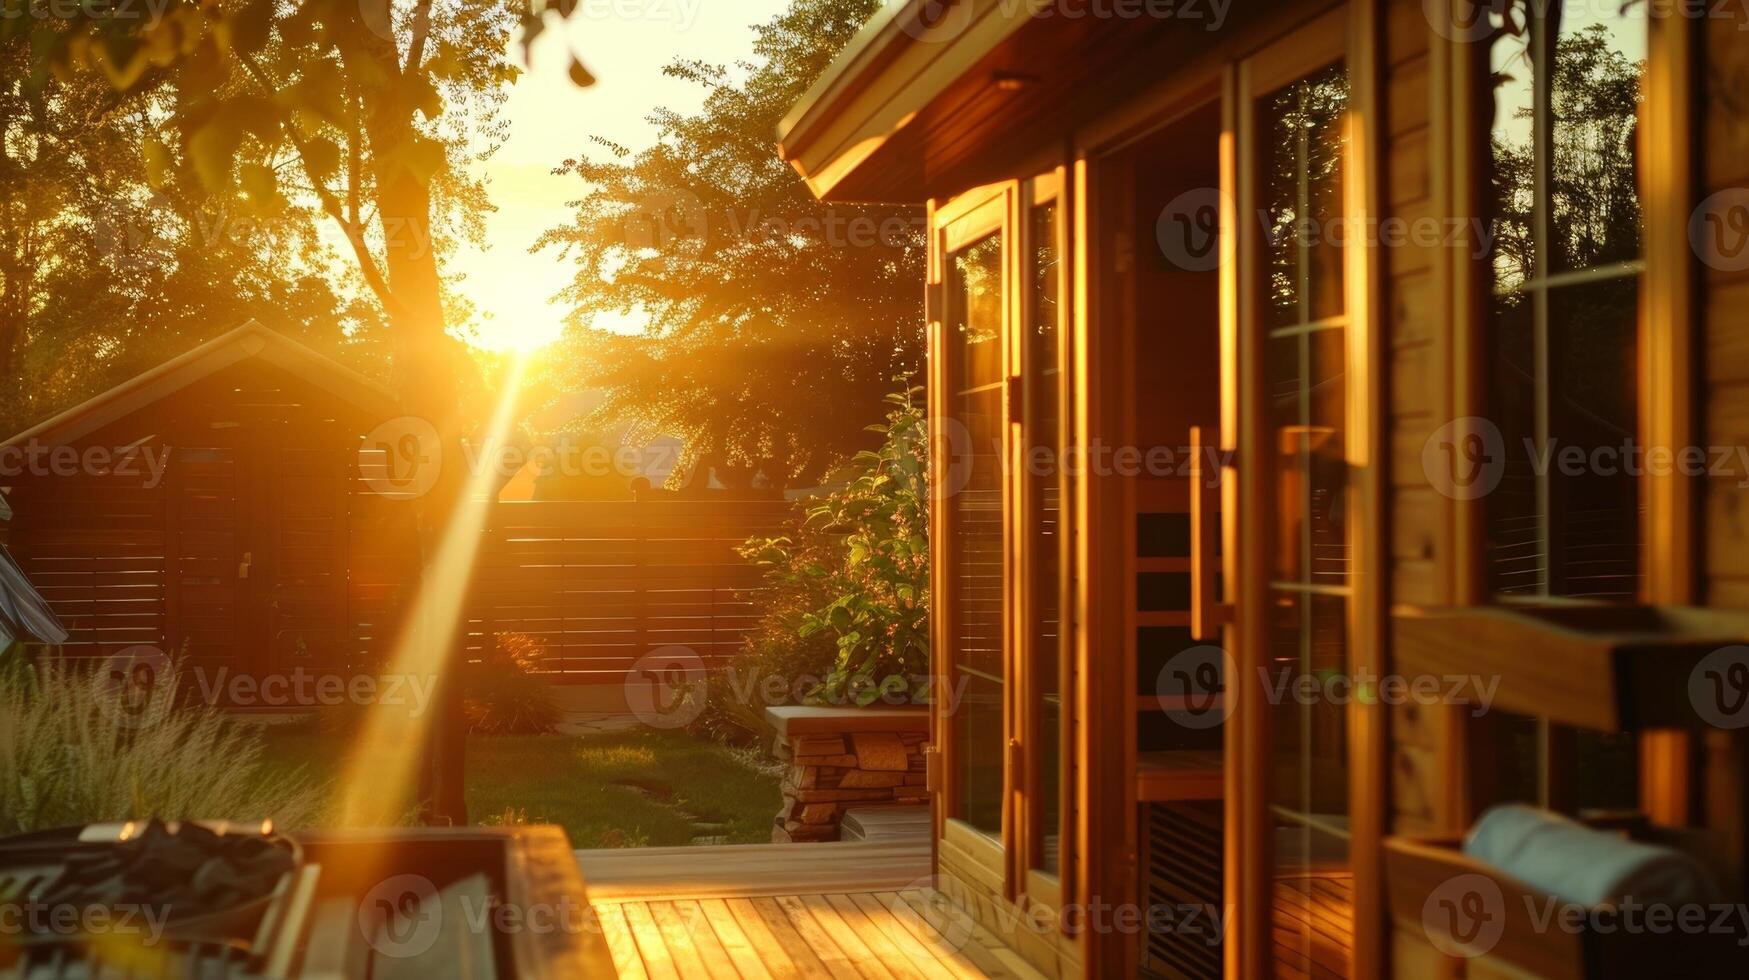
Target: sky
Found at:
625, 43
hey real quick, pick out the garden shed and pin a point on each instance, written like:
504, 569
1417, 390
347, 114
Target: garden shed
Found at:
217, 507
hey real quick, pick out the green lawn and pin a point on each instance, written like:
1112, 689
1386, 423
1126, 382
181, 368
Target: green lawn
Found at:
641, 788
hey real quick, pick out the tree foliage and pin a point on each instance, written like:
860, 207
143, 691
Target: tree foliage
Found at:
104, 273
773, 323
849, 601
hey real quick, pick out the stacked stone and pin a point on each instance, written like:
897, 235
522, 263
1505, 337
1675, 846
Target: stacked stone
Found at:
829, 774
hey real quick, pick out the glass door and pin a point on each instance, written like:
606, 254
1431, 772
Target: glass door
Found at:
1003, 651
1043, 534
973, 492
1294, 296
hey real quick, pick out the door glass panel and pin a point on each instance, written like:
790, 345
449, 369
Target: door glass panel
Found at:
1302, 183
1302, 151
1567, 262
974, 326
1045, 534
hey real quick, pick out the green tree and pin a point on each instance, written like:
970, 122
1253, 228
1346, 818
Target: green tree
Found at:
848, 600
366, 110
774, 323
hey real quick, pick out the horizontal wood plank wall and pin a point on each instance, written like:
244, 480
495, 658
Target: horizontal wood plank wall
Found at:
603, 583
1725, 521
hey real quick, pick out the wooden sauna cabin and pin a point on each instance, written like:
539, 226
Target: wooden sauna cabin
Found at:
221, 508
1248, 326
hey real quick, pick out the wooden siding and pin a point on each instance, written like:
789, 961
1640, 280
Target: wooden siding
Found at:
1725, 307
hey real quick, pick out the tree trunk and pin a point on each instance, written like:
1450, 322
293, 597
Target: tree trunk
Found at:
430, 368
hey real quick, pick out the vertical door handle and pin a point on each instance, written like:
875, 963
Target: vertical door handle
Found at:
1207, 613
243, 566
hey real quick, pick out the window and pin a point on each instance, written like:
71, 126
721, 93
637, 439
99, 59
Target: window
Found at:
974, 330
1044, 433
1566, 266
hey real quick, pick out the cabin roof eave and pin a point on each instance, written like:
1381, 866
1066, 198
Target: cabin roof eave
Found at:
251, 340
846, 137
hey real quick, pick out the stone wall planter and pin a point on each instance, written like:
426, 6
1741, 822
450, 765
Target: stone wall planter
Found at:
841, 758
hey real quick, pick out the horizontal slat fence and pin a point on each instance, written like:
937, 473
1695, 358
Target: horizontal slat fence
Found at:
602, 584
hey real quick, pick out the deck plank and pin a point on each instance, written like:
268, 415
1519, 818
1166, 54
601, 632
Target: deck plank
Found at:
986, 952
811, 911
684, 922
620, 943
740, 947
882, 919
651, 946
837, 933
803, 962
944, 947
782, 913
678, 937
879, 946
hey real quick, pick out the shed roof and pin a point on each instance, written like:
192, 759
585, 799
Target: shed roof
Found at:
249, 341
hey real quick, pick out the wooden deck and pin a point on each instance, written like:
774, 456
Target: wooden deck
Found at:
839, 910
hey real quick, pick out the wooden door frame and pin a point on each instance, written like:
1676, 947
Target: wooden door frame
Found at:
1350, 34
953, 225
1035, 885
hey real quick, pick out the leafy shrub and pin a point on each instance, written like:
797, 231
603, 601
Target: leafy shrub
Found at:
66, 758
503, 694
849, 598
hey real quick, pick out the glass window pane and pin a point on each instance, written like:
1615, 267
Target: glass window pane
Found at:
1567, 80
1512, 176
1047, 527
1515, 550
1302, 127
974, 321
1594, 102
978, 744
976, 310
1594, 504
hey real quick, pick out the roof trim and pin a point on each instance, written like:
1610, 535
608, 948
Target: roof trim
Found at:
251, 340
875, 38
845, 137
